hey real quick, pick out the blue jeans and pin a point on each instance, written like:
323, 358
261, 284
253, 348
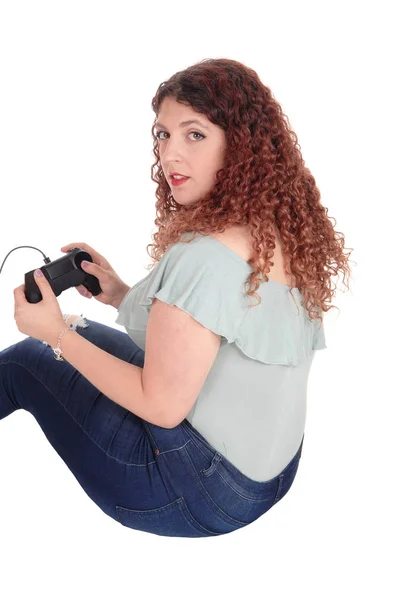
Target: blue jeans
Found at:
169, 482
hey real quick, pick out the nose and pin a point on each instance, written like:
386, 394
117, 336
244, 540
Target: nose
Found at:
171, 151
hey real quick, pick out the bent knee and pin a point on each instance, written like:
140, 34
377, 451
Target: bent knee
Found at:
75, 321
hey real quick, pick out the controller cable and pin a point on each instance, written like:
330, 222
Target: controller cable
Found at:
46, 258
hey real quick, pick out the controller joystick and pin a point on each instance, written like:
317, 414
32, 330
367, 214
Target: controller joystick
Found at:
62, 274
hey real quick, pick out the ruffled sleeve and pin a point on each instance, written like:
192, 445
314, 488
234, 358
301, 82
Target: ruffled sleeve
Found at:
211, 289
186, 277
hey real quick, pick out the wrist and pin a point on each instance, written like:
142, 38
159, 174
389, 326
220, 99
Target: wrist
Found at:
119, 300
54, 335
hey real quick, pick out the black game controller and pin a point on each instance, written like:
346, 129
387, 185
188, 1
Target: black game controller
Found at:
62, 274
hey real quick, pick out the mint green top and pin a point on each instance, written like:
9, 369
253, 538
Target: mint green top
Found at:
252, 406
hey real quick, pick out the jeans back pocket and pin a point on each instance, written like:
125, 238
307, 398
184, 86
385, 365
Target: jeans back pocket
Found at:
172, 520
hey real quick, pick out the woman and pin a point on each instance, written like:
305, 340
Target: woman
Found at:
191, 423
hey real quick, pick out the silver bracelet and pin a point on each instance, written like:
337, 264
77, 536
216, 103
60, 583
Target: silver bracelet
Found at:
58, 350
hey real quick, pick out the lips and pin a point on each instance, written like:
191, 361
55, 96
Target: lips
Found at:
176, 182
176, 173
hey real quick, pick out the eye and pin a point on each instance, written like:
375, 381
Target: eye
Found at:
157, 135
200, 134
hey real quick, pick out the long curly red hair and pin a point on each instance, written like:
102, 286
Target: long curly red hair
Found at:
264, 183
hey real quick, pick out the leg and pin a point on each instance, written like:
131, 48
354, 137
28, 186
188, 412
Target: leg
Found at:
145, 477
103, 444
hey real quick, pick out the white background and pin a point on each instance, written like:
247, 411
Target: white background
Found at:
77, 79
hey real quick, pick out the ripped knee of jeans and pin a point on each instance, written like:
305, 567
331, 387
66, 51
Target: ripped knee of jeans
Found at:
79, 321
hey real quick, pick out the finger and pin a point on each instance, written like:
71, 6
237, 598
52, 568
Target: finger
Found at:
91, 267
83, 292
42, 283
95, 255
74, 245
19, 294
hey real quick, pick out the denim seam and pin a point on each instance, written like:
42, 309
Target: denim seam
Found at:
247, 498
201, 445
150, 435
255, 498
278, 491
204, 454
172, 449
205, 494
156, 445
115, 433
79, 425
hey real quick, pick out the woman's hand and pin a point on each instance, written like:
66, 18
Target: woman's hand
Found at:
112, 286
42, 320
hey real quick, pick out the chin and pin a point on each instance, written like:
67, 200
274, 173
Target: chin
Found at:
186, 201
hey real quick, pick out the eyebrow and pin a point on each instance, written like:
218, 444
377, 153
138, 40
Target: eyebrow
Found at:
185, 124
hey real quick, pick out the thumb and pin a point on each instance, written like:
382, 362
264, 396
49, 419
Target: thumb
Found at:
89, 266
40, 279
93, 268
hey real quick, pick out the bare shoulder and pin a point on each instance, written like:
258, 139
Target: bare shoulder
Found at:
239, 240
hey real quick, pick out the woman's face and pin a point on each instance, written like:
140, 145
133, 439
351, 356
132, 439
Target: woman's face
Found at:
194, 150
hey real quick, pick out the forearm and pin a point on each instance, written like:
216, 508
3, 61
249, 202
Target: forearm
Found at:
118, 380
